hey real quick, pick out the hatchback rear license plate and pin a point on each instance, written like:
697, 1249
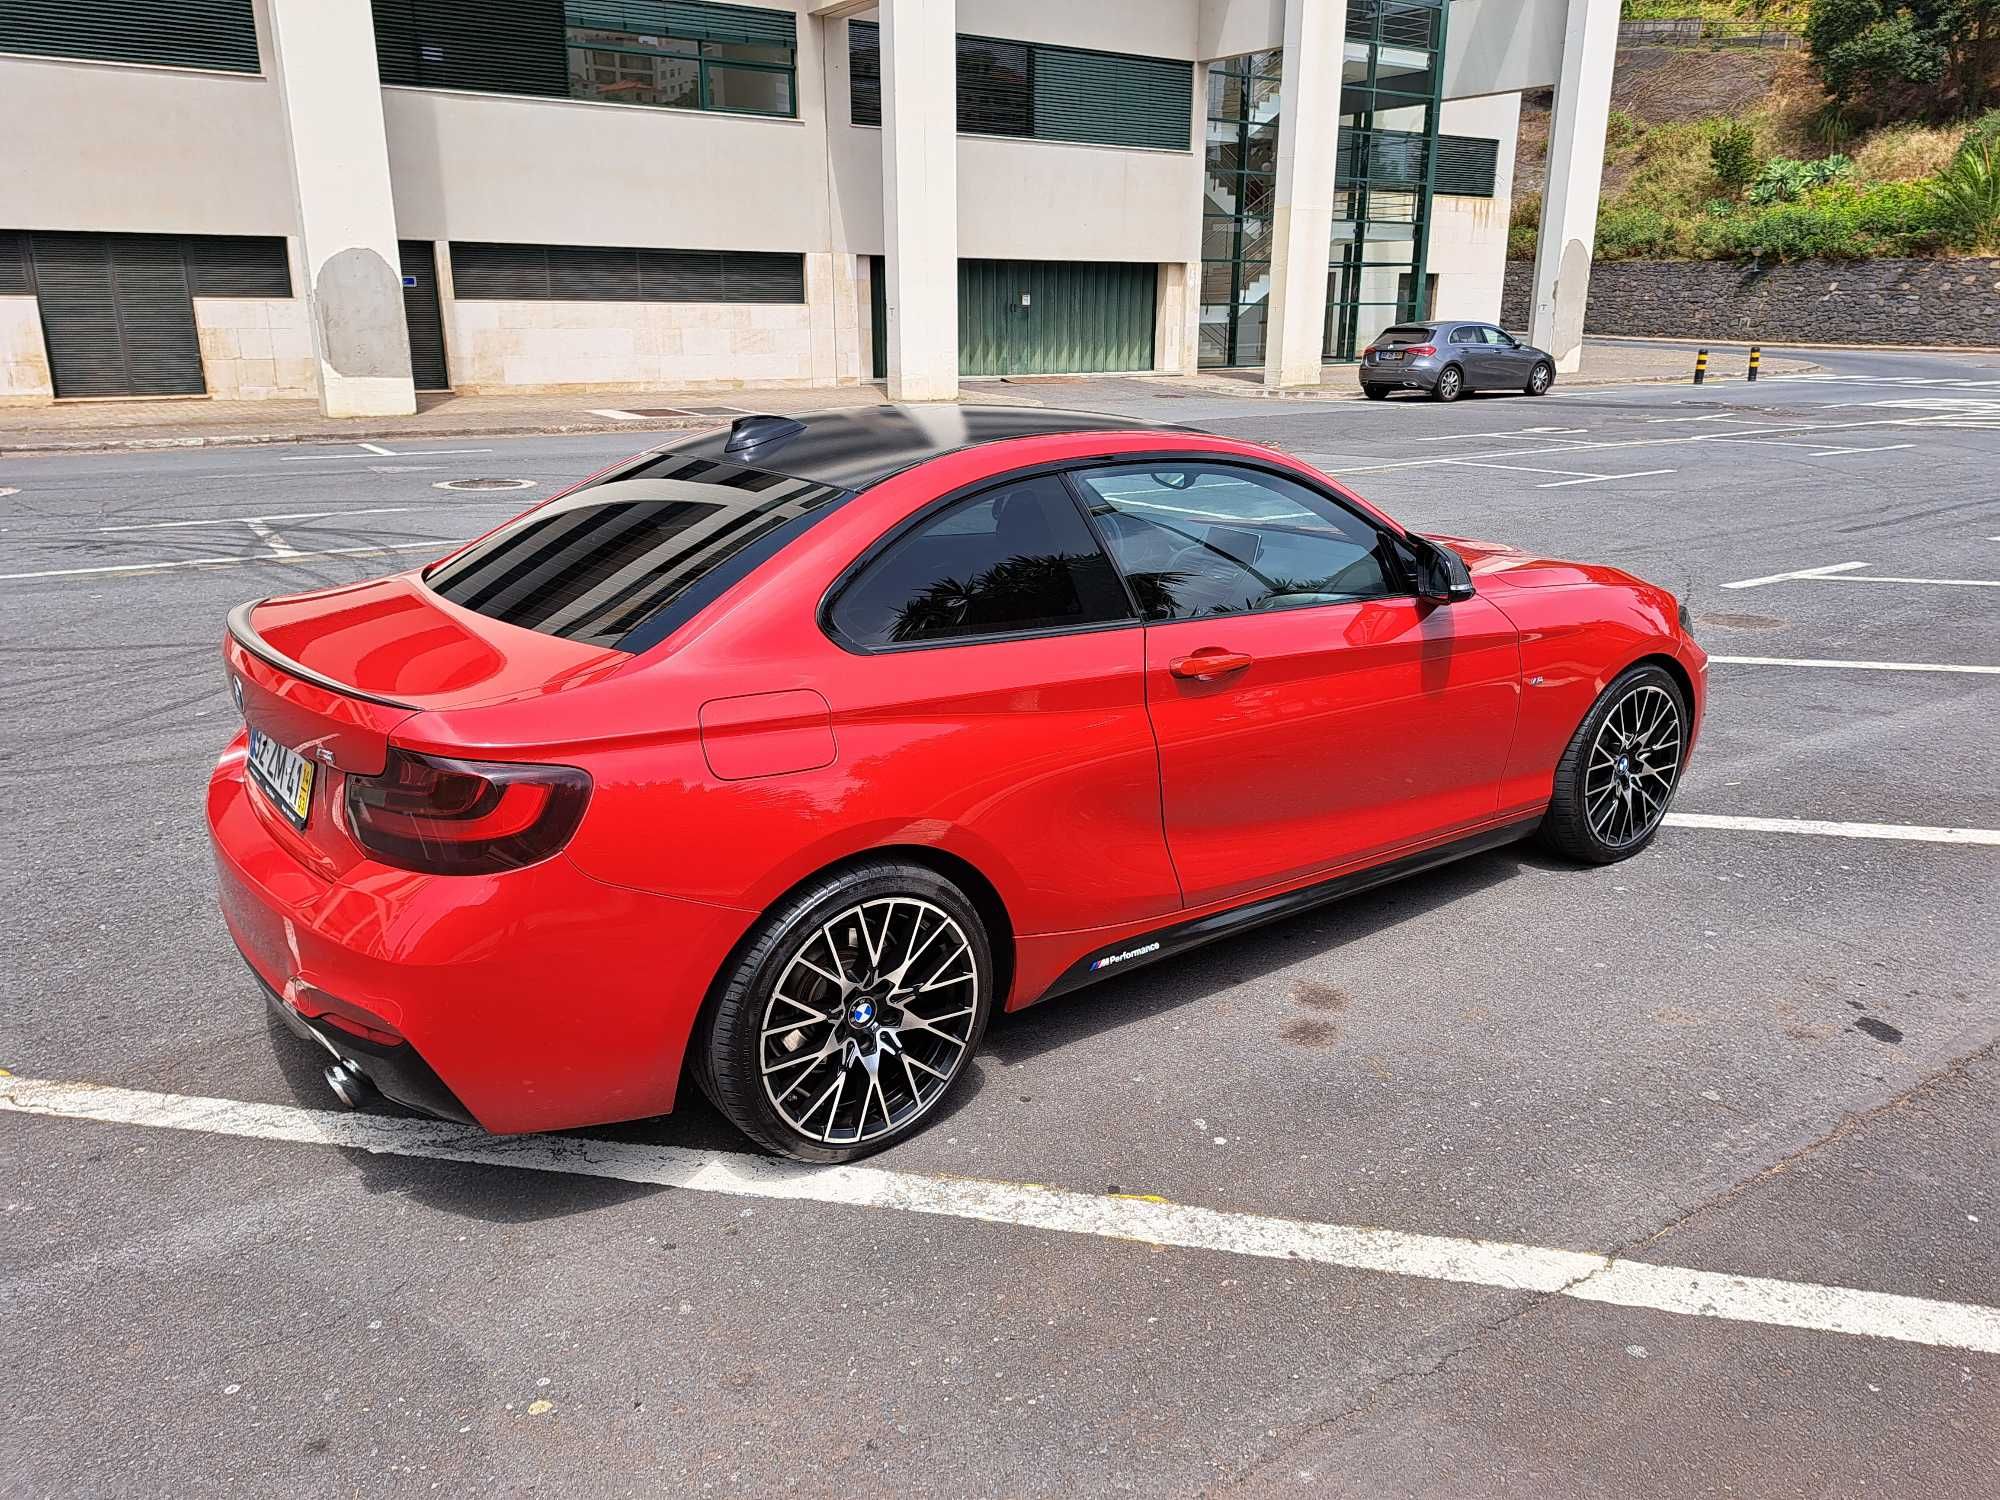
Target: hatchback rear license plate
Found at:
284, 775
1393, 354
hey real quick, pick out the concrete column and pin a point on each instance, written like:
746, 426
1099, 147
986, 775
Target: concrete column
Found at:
920, 196
324, 63
1302, 224
1576, 164
1176, 318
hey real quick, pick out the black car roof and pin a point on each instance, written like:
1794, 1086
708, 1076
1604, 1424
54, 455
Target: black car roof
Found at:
855, 447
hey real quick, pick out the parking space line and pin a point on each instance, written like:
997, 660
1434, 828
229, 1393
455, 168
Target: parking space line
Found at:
1858, 666
1600, 478
377, 452
1583, 1275
1480, 463
1885, 448
1910, 832
1822, 572
440, 546
1536, 432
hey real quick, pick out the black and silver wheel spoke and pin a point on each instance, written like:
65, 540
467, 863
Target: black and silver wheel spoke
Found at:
1633, 765
870, 1021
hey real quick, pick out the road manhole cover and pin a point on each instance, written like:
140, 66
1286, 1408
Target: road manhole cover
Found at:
1742, 622
485, 484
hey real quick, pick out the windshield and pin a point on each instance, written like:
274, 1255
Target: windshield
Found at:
601, 564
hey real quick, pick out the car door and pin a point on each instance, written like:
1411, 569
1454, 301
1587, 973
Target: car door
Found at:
996, 687
1465, 345
1510, 362
1311, 712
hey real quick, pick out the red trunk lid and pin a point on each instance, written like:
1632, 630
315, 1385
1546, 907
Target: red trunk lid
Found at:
330, 674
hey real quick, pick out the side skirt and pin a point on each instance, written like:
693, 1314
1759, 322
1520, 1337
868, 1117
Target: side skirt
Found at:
1144, 948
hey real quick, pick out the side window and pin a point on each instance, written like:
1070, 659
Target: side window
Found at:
1213, 539
1496, 338
1019, 557
1465, 335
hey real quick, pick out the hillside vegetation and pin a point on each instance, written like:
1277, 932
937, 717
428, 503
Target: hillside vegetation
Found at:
1743, 152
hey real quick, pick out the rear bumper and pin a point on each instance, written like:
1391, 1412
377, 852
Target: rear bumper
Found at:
536, 1000
1414, 378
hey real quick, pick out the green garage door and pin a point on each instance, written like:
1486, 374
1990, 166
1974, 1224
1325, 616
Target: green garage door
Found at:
1054, 317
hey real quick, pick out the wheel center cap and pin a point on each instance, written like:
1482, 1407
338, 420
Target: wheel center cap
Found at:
862, 1014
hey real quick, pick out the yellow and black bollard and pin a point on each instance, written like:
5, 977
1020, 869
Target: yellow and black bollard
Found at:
1700, 366
1755, 355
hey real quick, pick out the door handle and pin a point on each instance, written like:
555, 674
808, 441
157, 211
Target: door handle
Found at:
1209, 663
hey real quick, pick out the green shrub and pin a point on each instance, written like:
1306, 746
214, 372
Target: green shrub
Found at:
1733, 154
1636, 231
1620, 130
1839, 221
1965, 196
1785, 180
1524, 223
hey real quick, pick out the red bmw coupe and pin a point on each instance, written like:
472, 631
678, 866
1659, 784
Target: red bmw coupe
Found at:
782, 755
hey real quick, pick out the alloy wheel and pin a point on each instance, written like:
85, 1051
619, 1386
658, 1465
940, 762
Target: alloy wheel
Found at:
1447, 385
870, 1021
1538, 380
1634, 763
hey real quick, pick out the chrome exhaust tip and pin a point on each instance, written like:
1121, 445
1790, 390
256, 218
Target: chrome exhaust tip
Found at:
349, 1084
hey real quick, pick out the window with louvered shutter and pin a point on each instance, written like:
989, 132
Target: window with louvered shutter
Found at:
667, 54
173, 33
1467, 165
16, 277
864, 73
1050, 93
236, 265
591, 273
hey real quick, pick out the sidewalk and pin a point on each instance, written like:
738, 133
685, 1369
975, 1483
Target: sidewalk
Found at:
85, 426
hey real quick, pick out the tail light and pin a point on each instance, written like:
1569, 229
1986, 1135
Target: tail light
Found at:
1421, 349
1368, 352
464, 817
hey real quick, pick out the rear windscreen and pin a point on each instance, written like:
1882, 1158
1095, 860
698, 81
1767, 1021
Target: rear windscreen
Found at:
602, 564
1413, 333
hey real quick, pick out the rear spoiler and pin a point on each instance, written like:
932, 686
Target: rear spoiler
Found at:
245, 635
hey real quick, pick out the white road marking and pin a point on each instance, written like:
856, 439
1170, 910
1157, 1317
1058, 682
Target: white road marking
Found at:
1858, 666
1481, 463
1719, 416
292, 515
441, 546
1956, 583
615, 414
1886, 448
277, 545
1582, 1275
376, 448
1459, 437
1910, 832
1829, 569
320, 458
1600, 478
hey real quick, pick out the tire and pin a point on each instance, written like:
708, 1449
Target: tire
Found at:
1540, 379
1375, 392
1450, 384
837, 958
1609, 797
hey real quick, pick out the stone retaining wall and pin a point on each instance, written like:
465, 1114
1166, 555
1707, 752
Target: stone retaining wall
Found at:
1811, 301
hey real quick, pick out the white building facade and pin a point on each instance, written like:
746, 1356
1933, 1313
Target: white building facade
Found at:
355, 201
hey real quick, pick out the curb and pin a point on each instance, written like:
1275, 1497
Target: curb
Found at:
1229, 391
372, 434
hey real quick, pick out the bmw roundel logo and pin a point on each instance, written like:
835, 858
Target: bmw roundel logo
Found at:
863, 1012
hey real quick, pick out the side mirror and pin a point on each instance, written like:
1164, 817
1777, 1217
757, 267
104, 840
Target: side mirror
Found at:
1441, 574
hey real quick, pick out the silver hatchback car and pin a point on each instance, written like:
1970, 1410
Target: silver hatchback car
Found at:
1448, 359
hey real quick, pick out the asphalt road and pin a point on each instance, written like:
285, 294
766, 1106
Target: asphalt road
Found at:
1762, 1053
